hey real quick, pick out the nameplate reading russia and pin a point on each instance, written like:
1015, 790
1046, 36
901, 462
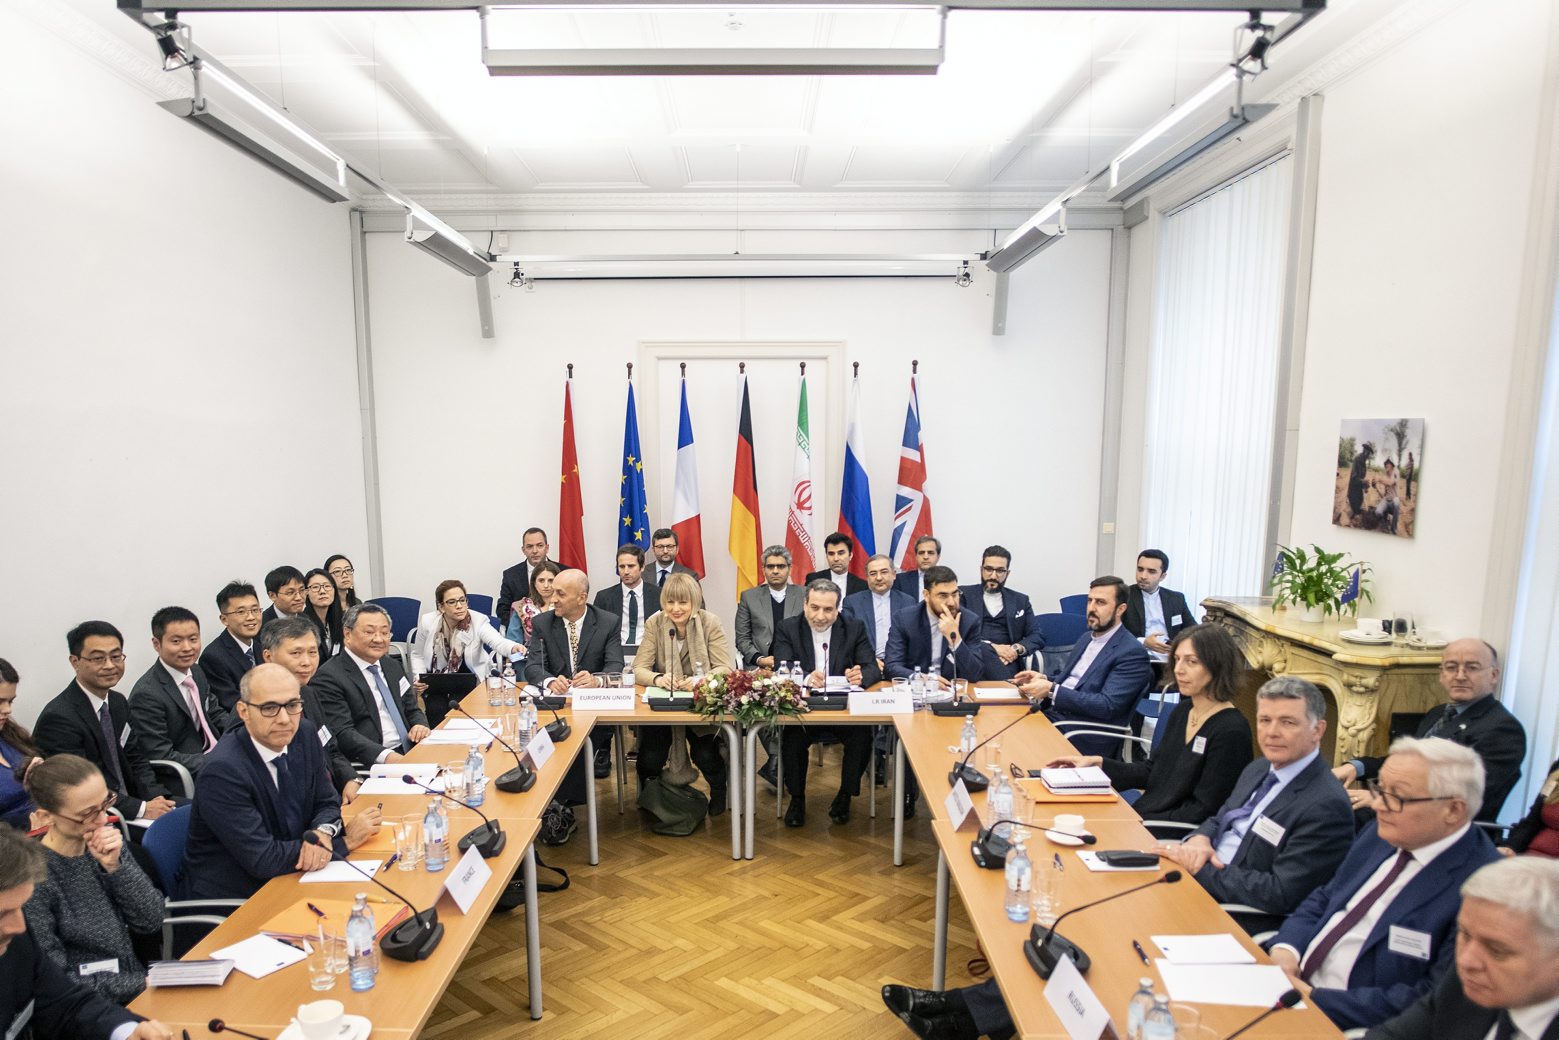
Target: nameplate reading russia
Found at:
603, 700
881, 702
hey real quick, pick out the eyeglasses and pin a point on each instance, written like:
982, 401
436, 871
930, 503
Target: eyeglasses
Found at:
320, 588
341, 572
455, 602
271, 710
1395, 802
242, 612
1469, 669
98, 660
92, 814
992, 570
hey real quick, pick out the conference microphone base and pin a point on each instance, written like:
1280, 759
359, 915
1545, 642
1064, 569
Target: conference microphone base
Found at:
954, 709
489, 840
413, 940
1044, 958
973, 779
559, 731
516, 781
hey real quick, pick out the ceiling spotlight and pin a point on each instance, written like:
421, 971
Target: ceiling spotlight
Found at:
516, 279
173, 55
1252, 60
963, 279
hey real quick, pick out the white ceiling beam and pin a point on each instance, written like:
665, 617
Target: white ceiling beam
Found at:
1233, 6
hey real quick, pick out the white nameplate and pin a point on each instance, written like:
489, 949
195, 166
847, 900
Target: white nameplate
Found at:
1403, 940
111, 965
540, 747
1075, 1003
324, 735
881, 702
1268, 829
959, 805
604, 700
467, 879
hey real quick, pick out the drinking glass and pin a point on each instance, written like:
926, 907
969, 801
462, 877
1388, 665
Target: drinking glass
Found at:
322, 975
1046, 892
336, 946
408, 841
1188, 1021
455, 780
993, 762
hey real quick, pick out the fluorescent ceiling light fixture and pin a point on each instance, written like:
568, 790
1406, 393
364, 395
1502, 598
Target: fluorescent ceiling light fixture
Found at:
740, 265
450, 247
1039, 232
679, 40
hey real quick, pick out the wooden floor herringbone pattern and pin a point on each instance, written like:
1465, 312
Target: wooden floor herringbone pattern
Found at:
671, 939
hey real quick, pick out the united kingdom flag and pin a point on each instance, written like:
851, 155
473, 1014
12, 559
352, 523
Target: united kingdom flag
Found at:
911, 507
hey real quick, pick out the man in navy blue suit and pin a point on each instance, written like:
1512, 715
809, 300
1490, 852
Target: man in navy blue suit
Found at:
939, 637
1105, 675
928, 553
1378, 935
875, 607
264, 788
1008, 624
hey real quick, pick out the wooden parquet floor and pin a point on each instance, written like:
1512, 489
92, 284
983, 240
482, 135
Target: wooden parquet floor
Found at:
671, 939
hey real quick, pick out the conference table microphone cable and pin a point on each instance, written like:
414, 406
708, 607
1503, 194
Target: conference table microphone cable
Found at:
1044, 952
412, 940
1287, 1000
489, 838
517, 780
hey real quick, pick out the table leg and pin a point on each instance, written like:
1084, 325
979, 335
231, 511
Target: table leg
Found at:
622, 764
871, 777
532, 933
750, 779
939, 942
734, 775
595, 850
898, 804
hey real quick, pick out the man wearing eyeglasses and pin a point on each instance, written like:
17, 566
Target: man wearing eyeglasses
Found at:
1378, 935
1008, 624
91, 719
1474, 718
264, 790
227, 657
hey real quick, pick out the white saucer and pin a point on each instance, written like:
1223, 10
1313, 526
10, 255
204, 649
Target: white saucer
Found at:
353, 1027
1353, 635
1427, 644
1061, 837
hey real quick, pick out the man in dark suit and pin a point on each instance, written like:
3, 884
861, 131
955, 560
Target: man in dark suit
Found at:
1154, 614
665, 545
826, 643
293, 643
34, 990
227, 657
759, 611
1474, 717
1505, 984
1287, 824
171, 704
284, 585
1008, 624
876, 607
838, 550
632, 600
265, 789
928, 553
939, 637
516, 580
369, 703
1103, 677
91, 719
1380, 933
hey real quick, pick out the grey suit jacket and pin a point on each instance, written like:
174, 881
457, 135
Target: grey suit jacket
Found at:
755, 621
160, 713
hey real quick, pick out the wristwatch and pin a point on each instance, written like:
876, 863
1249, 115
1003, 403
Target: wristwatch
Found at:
330, 830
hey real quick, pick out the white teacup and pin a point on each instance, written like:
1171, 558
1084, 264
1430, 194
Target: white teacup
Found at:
321, 1020
1369, 626
1070, 822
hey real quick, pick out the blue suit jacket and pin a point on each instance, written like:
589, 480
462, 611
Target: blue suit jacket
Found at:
909, 647
1383, 983
908, 582
237, 838
859, 606
1107, 692
1017, 613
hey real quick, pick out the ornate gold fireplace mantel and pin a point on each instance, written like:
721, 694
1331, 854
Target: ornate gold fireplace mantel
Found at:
1368, 684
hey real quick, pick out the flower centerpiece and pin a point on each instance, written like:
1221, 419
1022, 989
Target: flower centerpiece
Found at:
748, 698
1319, 582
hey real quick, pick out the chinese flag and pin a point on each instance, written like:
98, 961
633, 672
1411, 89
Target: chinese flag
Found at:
571, 507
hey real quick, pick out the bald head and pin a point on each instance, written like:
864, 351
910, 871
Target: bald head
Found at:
270, 688
1469, 670
569, 591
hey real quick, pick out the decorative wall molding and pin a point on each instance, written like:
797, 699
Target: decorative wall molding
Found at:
140, 69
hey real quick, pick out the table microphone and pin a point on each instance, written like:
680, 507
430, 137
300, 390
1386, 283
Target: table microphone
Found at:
489, 838
517, 780
216, 1025
989, 849
973, 779
1045, 952
559, 729
411, 940
1287, 1000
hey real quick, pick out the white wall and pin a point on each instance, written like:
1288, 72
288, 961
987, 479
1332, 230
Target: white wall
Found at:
180, 402
1012, 423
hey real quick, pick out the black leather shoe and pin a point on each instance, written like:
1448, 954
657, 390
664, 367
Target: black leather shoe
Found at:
717, 800
839, 812
955, 1026
909, 807
767, 773
796, 814
927, 1003
603, 763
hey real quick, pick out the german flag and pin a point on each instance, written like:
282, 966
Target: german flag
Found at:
745, 543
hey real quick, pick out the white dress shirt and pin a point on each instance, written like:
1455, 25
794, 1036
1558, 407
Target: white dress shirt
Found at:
1153, 622
819, 649
882, 616
1231, 841
269, 757
778, 595
1530, 1021
637, 592
388, 736
936, 644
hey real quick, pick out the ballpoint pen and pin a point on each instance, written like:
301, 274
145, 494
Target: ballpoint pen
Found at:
1135, 945
1058, 862
392, 860
317, 911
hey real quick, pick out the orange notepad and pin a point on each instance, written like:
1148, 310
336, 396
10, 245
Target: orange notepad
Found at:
299, 922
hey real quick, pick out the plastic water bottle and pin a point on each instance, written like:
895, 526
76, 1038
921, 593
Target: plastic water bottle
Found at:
968, 738
1158, 1023
917, 689
998, 800
1020, 880
495, 685
362, 958
1137, 1009
797, 675
527, 723
511, 688
435, 836
476, 780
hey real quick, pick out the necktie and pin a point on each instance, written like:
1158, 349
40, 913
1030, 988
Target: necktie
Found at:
1504, 1027
1319, 952
286, 797
192, 695
573, 646
112, 758
1442, 725
664, 572
1230, 817
633, 617
280, 762
390, 706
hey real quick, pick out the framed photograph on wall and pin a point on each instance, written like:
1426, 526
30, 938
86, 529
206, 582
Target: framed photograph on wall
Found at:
1380, 464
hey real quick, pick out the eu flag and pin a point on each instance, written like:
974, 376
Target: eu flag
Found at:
633, 511
1351, 593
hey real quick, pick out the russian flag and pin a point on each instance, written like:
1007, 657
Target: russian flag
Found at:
855, 497
685, 518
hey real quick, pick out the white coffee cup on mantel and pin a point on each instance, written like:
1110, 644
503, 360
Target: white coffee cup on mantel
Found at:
1368, 626
321, 1019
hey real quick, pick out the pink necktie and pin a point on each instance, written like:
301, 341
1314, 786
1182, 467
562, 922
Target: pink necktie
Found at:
200, 717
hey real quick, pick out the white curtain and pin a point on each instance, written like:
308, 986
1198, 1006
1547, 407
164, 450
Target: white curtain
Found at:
1213, 383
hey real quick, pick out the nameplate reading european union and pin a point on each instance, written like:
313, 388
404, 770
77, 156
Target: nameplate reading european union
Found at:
540, 747
467, 879
1075, 1003
881, 702
604, 700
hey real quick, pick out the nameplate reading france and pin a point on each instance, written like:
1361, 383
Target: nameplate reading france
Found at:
540, 747
881, 702
959, 805
467, 879
1076, 1004
603, 700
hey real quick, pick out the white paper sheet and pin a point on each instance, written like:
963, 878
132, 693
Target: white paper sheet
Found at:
423, 771
1203, 949
1243, 985
336, 870
259, 955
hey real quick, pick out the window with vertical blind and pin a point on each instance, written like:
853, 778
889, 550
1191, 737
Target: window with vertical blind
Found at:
1213, 383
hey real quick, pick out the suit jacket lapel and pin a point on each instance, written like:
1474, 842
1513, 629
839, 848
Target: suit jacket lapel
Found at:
89, 717
261, 775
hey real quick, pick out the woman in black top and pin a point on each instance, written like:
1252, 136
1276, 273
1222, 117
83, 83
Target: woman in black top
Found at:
324, 610
345, 576
1206, 742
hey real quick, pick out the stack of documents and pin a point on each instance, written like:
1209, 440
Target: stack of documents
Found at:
1217, 969
1088, 780
188, 973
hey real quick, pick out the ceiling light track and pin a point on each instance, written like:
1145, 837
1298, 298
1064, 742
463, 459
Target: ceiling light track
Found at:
136, 7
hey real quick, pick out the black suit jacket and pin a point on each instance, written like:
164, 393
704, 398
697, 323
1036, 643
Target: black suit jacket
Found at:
853, 582
341, 769
68, 725
224, 663
1174, 604
1494, 733
160, 714
515, 584
652, 571
1317, 823
1445, 1013
351, 709
610, 599
600, 645
61, 1006
908, 582
849, 645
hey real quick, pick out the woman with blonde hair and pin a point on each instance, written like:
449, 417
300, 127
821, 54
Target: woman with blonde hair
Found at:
680, 643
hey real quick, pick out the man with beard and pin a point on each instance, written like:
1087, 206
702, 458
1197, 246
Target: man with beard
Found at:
1008, 624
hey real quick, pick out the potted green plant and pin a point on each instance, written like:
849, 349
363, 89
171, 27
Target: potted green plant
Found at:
1316, 582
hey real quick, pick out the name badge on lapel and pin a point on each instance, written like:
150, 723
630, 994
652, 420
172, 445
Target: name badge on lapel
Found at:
1269, 830
1175, 620
124, 735
1199, 746
405, 685
1408, 942
324, 735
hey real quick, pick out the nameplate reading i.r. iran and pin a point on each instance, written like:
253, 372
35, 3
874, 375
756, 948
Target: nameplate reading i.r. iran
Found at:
881, 702
603, 700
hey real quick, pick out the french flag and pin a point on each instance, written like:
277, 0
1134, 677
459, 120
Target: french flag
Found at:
855, 498
685, 518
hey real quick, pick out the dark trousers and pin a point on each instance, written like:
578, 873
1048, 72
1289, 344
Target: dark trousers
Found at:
601, 736
988, 1010
795, 740
655, 748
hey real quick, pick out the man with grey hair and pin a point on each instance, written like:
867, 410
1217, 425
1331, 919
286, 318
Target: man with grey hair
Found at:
1506, 982
875, 607
369, 704
1378, 935
1287, 824
293, 643
759, 611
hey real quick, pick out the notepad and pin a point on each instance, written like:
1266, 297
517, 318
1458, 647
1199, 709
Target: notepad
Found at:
1242, 985
1221, 948
259, 955
424, 771
299, 922
338, 871
161, 974
1087, 780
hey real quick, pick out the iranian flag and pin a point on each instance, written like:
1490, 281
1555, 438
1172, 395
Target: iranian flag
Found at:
798, 524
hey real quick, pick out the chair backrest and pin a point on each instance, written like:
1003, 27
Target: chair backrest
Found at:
1074, 605
479, 603
404, 612
1062, 630
164, 843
